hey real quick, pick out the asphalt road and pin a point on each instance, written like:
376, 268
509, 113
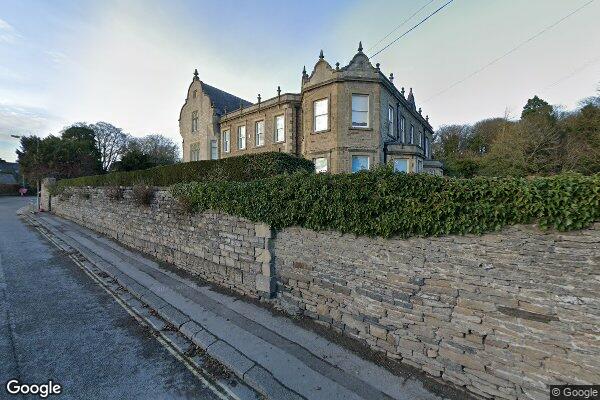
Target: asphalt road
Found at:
56, 323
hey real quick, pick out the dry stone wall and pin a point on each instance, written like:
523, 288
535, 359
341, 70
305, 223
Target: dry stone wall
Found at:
218, 247
504, 315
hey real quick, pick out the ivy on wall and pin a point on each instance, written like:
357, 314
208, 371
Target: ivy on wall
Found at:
384, 203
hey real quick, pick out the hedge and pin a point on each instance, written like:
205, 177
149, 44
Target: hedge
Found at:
9, 189
241, 168
384, 203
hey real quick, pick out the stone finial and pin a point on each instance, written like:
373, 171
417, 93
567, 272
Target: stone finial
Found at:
258, 98
278, 91
337, 66
196, 74
224, 109
402, 91
321, 56
427, 118
419, 110
377, 66
304, 71
392, 77
360, 48
241, 105
411, 98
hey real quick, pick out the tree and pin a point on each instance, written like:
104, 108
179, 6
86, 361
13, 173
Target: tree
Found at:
132, 160
536, 106
160, 149
111, 141
71, 155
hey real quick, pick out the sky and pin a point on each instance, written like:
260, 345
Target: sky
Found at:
130, 62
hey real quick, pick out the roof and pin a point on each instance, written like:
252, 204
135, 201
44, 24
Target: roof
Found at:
7, 179
223, 101
8, 167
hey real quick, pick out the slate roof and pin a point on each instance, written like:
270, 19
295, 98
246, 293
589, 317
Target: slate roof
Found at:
8, 167
223, 101
7, 179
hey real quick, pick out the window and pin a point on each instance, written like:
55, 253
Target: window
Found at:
195, 94
422, 139
360, 163
194, 121
226, 141
194, 152
242, 137
401, 165
320, 164
214, 150
391, 121
412, 134
418, 139
419, 165
402, 128
360, 110
279, 128
321, 110
427, 148
260, 133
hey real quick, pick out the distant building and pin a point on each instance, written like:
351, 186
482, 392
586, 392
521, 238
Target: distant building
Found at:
345, 119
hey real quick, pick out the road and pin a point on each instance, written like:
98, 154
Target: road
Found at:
56, 323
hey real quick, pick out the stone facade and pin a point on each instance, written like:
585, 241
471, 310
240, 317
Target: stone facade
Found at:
393, 130
503, 315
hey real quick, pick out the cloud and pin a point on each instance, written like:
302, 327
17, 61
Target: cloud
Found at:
18, 120
56, 57
8, 33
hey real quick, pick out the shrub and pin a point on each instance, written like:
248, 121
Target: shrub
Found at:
384, 203
143, 195
9, 188
242, 168
113, 192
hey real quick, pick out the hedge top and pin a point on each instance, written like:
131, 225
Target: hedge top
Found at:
384, 203
242, 168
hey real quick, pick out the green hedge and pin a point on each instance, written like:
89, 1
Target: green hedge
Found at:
384, 203
242, 168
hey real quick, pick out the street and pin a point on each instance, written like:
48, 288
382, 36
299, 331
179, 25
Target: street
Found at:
57, 324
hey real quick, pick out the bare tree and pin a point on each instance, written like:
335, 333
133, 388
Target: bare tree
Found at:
112, 142
161, 149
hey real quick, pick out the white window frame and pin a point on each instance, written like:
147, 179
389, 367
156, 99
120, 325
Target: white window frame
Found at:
277, 137
391, 121
402, 129
321, 170
363, 156
216, 149
326, 115
241, 141
368, 111
226, 141
259, 137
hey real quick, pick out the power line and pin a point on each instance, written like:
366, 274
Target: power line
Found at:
401, 25
414, 27
574, 72
509, 52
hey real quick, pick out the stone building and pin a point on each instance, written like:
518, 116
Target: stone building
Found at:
345, 119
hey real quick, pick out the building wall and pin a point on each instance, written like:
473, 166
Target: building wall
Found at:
267, 113
207, 123
503, 315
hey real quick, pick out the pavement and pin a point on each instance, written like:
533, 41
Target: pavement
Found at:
268, 352
56, 323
